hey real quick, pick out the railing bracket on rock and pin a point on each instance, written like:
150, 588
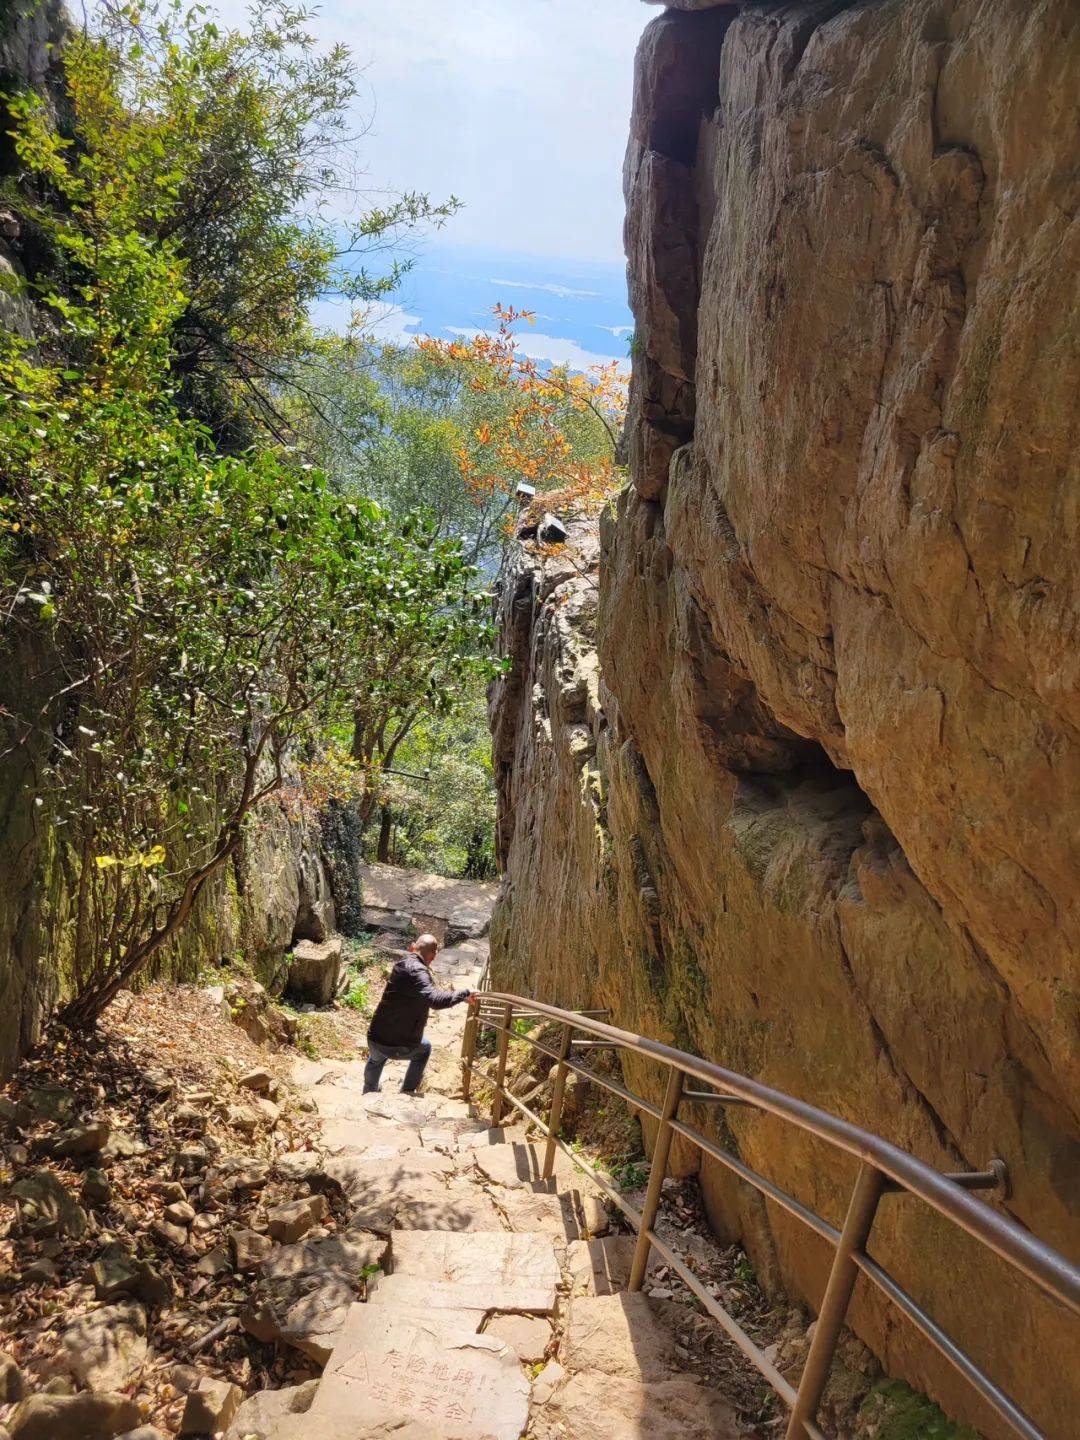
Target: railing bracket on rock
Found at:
883, 1170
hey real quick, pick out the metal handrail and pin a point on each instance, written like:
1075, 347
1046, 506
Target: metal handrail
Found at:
884, 1169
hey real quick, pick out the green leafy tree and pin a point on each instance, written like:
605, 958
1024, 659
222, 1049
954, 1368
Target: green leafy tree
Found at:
429, 648
454, 428
201, 615
232, 148
445, 820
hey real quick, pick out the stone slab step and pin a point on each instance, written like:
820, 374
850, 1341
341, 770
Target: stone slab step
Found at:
379, 1188
518, 1163
341, 1135
622, 1335
364, 1180
449, 1135
416, 1291
460, 1204
346, 1102
602, 1266
593, 1406
300, 1427
539, 1211
430, 1370
475, 1258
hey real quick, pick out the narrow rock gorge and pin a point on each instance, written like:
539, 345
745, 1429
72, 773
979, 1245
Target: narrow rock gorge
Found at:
787, 750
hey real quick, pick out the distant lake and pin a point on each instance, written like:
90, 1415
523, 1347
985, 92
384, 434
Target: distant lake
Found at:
582, 317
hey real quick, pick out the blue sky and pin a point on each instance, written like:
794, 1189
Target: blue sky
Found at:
521, 109
581, 317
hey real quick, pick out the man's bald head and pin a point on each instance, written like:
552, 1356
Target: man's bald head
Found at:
426, 946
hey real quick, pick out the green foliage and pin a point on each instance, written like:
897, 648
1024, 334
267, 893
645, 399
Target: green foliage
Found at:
357, 996
631, 1175
408, 425
431, 640
444, 822
204, 614
229, 150
744, 1270
305, 1041
901, 1413
389, 422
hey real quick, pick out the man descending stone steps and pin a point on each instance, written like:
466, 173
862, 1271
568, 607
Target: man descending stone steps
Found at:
396, 1031
490, 1314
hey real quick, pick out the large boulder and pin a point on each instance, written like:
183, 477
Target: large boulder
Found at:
314, 971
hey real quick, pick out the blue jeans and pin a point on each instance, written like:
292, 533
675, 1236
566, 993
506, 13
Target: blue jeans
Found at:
417, 1056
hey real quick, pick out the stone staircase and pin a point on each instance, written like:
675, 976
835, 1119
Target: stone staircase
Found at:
496, 1309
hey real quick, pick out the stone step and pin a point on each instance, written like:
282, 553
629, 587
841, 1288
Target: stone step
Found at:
389, 1373
518, 1163
475, 1257
590, 1405
621, 1335
470, 1269
342, 1135
460, 1204
481, 1297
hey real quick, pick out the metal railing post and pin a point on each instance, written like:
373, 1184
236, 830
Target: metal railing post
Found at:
500, 1068
857, 1223
555, 1113
468, 1047
657, 1172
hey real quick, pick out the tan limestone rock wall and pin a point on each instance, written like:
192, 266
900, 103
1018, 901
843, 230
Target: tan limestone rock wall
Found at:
796, 786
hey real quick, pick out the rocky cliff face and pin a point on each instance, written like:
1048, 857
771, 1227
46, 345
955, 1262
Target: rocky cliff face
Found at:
791, 778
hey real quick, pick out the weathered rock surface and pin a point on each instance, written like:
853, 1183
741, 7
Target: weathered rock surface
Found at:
465, 1386
256, 1418
305, 1291
72, 1417
314, 971
796, 789
105, 1348
527, 1335
619, 1335
594, 1406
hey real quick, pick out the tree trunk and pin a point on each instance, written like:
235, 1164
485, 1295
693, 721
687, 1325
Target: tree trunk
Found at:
386, 821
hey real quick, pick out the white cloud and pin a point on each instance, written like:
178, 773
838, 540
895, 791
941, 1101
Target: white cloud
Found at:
389, 322
381, 319
554, 348
564, 292
519, 107
617, 330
